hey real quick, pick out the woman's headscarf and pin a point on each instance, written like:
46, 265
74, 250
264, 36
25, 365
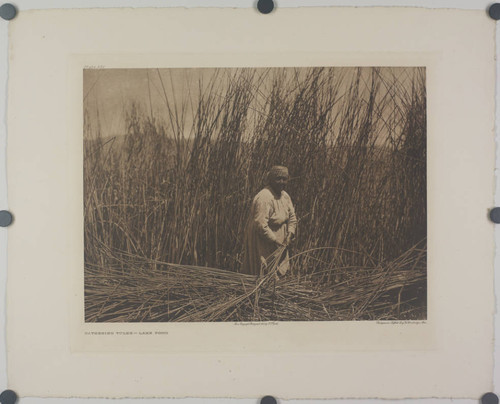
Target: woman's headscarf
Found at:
277, 171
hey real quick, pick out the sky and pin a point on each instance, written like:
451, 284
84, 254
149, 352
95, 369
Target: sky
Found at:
109, 93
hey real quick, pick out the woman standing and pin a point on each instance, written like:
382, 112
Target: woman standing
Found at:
271, 225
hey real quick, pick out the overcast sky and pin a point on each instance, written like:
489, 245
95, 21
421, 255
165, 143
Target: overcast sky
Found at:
109, 93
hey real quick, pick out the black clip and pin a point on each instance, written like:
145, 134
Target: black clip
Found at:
494, 11
5, 218
8, 11
8, 397
489, 398
270, 400
265, 7
495, 215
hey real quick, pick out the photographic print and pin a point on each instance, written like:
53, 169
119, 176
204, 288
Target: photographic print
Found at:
255, 194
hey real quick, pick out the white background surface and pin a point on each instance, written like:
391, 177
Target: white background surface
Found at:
32, 4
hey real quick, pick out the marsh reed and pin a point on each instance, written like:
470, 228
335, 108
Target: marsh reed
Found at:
166, 203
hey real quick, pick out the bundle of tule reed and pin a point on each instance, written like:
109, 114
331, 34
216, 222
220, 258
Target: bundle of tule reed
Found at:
138, 289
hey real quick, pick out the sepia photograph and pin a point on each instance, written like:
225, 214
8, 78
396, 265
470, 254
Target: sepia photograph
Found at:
255, 194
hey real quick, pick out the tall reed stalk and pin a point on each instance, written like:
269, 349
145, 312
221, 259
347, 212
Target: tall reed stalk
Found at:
177, 186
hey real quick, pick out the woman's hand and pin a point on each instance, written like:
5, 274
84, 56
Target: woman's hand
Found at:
289, 238
278, 244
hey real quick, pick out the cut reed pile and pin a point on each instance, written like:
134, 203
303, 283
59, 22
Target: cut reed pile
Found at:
160, 292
